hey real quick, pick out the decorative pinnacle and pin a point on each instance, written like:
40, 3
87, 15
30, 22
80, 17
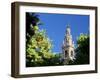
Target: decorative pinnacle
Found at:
68, 29
68, 26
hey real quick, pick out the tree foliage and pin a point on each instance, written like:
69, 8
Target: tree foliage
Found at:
38, 45
82, 50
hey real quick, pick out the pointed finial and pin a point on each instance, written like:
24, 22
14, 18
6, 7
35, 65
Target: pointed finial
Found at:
68, 26
68, 29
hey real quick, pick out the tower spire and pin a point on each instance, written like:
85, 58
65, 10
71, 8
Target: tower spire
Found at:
68, 46
68, 32
68, 26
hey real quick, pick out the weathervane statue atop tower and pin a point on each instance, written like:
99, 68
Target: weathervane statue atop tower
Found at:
68, 47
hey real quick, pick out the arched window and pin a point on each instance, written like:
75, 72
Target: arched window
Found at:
66, 53
71, 53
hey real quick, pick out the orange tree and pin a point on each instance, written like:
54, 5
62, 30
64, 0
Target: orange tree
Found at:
38, 45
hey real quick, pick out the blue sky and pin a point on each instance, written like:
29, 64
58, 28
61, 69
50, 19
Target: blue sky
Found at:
55, 25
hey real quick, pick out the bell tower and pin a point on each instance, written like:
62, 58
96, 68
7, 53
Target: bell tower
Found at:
68, 47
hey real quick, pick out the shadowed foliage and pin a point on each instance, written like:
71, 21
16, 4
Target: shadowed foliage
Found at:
82, 50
